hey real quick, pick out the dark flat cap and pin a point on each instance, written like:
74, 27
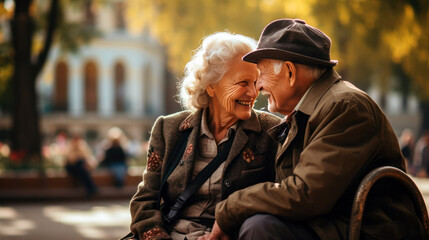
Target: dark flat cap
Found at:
293, 40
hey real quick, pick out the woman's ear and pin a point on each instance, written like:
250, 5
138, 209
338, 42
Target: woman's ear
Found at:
210, 91
291, 72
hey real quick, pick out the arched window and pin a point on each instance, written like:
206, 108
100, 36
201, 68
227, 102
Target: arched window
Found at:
60, 88
119, 87
90, 79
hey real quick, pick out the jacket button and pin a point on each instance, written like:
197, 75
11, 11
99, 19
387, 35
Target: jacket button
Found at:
227, 183
181, 162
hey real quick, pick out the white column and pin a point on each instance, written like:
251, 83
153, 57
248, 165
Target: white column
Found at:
134, 90
158, 91
106, 95
75, 88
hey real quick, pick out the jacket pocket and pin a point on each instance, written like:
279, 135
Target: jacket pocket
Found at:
253, 176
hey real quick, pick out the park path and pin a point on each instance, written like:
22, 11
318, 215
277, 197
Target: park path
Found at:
73, 220
80, 220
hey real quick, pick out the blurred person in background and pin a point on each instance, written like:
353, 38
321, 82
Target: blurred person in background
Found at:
222, 127
80, 162
115, 158
406, 141
421, 156
58, 149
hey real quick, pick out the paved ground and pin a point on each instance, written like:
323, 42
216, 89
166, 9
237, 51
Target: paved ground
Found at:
64, 220
80, 220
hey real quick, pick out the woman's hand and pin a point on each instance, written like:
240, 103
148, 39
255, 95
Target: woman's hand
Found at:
216, 234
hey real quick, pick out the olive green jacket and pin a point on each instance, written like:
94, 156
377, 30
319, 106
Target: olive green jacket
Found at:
336, 137
250, 161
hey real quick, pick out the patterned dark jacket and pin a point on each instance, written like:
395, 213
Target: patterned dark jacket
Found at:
250, 161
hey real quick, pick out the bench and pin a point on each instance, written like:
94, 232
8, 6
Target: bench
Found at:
58, 185
368, 182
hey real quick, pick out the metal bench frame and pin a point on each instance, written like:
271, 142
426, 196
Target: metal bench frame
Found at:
365, 186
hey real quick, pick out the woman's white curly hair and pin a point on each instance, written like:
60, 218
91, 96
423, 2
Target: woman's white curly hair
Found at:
208, 65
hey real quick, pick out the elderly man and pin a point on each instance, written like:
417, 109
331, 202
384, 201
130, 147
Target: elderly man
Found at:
332, 136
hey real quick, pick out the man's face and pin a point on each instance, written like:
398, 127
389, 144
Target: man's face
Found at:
276, 86
235, 93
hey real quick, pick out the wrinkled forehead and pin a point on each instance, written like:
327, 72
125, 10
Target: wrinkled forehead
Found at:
266, 64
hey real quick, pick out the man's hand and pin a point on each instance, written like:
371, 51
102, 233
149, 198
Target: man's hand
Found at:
216, 234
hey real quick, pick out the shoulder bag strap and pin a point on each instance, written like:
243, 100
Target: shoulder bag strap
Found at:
196, 183
174, 159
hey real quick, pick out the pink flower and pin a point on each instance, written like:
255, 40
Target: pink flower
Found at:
248, 155
155, 233
189, 150
153, 160
185, 125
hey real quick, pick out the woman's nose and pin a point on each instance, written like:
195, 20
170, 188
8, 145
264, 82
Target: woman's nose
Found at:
252, 92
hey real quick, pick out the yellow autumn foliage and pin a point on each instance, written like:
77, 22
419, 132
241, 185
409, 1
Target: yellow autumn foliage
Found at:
369, 37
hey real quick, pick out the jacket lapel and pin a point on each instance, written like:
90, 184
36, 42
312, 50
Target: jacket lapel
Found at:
241, 137
192, 121
317, 91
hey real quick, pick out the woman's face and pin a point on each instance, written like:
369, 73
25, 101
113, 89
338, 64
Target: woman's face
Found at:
234, 95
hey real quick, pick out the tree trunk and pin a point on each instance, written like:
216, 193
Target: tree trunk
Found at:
26, 142
26, 135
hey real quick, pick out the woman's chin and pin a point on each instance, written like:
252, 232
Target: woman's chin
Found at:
243, 115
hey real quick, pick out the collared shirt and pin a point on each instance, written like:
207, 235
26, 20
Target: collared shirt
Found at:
302, 99
209, 194
287, 118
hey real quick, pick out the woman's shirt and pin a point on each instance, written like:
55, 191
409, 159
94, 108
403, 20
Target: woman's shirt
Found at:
204, 201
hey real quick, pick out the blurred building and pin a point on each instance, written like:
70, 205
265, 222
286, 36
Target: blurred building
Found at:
403, 112
118, 79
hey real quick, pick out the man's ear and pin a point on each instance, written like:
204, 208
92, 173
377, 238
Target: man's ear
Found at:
210, 91
290, 72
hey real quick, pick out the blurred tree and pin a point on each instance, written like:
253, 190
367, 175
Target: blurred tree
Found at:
381, 41
181, 24
25, 136
26, 54
6, 70
373, 40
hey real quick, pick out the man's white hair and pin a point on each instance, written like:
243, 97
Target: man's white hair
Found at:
314, 72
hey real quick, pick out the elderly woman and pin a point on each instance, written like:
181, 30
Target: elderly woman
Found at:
221, 127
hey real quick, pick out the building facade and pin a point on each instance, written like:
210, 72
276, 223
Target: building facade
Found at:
118, 79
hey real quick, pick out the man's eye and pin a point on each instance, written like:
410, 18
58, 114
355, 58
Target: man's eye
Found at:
242, 83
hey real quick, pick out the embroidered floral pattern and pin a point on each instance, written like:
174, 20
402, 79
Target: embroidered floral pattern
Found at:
185, 125
153, 160
155, 233
189, 150
248, 155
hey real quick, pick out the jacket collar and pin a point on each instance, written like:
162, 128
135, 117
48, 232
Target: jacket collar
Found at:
317, 90
315, 93
194, 119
